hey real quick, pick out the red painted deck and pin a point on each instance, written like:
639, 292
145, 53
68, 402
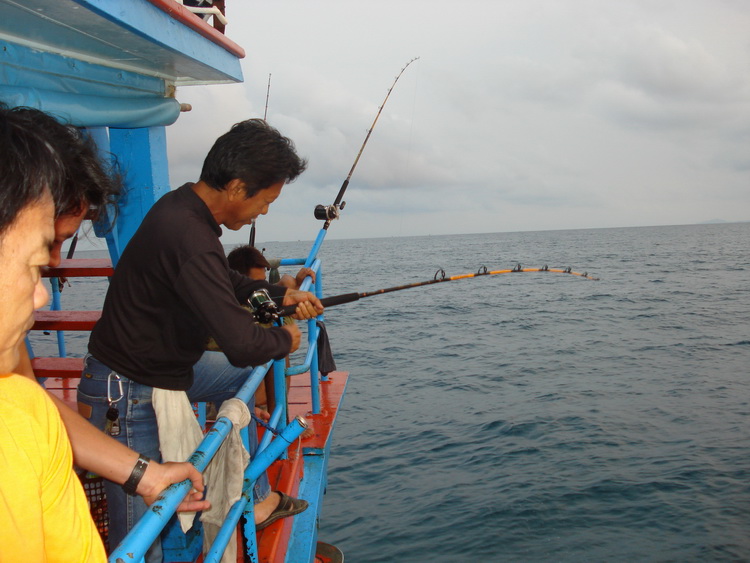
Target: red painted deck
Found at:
286, 475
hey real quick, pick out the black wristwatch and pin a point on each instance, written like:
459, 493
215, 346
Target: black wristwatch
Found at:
136, 475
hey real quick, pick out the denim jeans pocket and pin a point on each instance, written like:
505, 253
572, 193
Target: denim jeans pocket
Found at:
92, 397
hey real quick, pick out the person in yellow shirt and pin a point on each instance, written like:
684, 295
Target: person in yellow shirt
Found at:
86, 189
44, 515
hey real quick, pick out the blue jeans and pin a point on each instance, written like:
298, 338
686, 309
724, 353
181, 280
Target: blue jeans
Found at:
215, 380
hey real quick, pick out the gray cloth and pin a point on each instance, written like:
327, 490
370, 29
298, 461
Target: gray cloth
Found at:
225, 475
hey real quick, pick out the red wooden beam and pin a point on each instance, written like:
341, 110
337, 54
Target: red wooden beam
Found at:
65, 368
80, 267
65, 320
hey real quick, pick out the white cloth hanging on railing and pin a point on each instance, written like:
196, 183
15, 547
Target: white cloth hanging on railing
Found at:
179, 436
226, 475
179, 433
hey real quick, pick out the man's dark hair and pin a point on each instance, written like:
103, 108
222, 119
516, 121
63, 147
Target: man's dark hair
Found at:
29, 166
87, 183
255, 153
245, 257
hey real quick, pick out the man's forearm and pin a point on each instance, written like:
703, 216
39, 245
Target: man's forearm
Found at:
93, 450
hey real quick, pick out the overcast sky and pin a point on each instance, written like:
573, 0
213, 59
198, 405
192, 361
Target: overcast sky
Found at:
519, 114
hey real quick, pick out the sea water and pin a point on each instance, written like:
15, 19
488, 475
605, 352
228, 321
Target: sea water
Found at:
538, 417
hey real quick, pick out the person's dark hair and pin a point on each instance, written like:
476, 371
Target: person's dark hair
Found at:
245, 257
255, 153
29, 166
88, 182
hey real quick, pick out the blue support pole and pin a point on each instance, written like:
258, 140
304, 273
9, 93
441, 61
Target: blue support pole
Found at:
279, 388
103, 227
315, 248
273, 422
141, 155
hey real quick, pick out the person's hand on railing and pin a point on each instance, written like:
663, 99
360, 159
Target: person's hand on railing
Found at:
159, 476
302, 274
308, 306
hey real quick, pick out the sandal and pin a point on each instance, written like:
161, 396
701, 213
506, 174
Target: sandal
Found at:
288, 506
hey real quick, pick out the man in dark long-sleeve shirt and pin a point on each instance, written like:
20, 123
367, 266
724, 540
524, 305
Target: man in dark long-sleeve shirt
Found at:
173, 288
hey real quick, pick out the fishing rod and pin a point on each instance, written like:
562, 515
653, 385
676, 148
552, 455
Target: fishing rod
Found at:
266, 310
268, 93
332, 211
251, 239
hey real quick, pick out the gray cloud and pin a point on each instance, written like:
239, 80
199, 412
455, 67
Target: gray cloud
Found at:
519, 115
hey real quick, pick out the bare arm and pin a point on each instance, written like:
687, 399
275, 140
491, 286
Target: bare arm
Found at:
94, 451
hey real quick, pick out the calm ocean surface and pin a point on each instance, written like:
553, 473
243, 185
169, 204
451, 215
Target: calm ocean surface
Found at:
539, 417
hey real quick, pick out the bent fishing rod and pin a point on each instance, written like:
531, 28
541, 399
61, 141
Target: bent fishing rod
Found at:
266, 310
333, 211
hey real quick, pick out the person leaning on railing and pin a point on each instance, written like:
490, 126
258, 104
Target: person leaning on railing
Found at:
172, 288
84, 190
250, 262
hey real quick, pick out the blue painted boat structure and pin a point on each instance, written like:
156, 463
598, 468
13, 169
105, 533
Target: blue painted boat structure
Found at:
113, 67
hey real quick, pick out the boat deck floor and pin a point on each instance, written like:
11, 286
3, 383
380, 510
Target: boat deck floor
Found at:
286, 475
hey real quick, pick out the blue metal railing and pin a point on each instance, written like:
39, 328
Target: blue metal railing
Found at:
148, 528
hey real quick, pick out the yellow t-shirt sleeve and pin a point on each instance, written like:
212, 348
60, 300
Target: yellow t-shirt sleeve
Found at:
44, 515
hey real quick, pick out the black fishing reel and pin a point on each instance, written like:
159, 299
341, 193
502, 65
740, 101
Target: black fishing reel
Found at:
328, 213
264, 308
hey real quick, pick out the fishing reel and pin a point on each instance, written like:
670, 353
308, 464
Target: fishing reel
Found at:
328, 213
264, 308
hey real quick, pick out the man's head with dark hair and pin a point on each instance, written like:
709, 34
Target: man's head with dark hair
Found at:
87, 183
29, 166
254, 152
86, 186
246, 257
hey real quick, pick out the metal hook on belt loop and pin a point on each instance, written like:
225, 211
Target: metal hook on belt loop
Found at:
109, 385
